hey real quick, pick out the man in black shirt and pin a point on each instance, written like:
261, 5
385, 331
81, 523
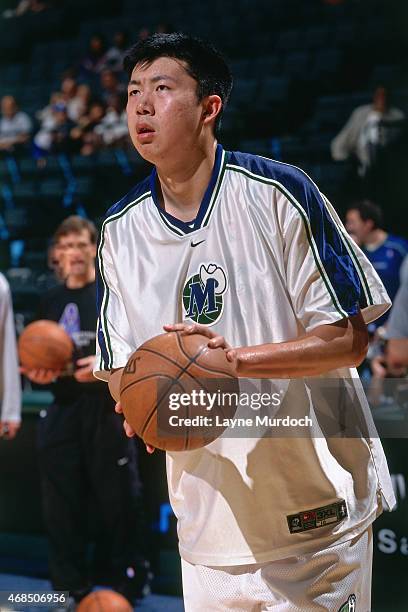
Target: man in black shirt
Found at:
89, 468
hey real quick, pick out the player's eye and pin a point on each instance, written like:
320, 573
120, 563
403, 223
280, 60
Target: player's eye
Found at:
133, 92
162, 87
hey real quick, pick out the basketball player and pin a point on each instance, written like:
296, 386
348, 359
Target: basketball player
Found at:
10, 388
249, 252
83, 454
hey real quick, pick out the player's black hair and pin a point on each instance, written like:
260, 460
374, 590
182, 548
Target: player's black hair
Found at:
203, 62
369, 211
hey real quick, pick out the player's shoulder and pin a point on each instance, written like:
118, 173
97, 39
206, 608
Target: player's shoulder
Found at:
287, 178
136, 195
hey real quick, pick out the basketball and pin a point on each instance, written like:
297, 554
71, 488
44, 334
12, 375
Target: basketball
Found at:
170, 364
104, 601
44, 344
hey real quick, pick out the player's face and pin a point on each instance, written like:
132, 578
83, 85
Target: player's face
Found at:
77, 253
164, 114
356, 227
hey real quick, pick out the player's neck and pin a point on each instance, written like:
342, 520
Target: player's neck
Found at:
77, 281
375, 239
182, 185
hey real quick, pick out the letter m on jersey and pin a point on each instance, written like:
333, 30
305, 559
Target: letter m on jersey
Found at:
203, 294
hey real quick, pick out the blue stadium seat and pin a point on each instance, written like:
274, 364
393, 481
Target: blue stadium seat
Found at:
244, 92
296, 64
260, 146
273, 89
52, 188
266, 66
24, 189
316, 37
289, 40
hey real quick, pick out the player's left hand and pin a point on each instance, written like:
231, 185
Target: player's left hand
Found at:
129, 431
215, 340
84, 374
9, 429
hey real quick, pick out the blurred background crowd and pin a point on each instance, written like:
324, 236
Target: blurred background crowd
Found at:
319, 84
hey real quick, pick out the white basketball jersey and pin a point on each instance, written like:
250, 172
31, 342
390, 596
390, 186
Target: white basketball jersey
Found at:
265, 260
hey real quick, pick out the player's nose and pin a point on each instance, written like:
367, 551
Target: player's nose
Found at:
144, 105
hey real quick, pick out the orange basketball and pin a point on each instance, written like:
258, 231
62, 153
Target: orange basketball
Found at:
171, 365
45, 344
104, 601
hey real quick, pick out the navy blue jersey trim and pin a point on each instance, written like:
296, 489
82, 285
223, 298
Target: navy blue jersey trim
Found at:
187, 227
338, 265
134, 197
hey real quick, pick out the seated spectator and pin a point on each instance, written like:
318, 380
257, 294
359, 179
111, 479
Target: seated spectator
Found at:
47, 117
55, 137
113, 130
115, 54
85, 95
83, 137
385, 251
94, 61
110, 85
15, 126
144, 33
370, 129
74, 103
27, 7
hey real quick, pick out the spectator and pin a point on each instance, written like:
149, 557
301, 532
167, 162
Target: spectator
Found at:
43, 138
115, 54
370, 129
83, 136
15, 126
85, 95
27, 7
373, 136
74, 103
83, 452
113, 130
110, 85
144, 33
385, 251
94, 62
10, 388
54, 135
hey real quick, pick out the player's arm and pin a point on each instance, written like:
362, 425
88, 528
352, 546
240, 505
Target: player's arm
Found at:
326, 347
114, 388
114, 383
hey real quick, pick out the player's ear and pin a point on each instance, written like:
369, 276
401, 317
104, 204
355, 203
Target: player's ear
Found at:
212, 106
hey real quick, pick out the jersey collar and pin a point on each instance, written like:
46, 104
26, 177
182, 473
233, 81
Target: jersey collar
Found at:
182, 228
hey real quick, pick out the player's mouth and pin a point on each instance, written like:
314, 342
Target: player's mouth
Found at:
144, 132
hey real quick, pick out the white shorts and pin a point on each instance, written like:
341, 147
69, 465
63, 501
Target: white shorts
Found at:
337, 579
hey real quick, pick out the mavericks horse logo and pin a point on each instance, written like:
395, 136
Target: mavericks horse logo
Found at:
203, 294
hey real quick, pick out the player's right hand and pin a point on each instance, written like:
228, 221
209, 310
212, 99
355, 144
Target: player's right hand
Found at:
41, 376
129, 431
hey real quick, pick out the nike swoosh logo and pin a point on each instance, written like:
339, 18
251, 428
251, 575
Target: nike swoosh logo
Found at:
194, 244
